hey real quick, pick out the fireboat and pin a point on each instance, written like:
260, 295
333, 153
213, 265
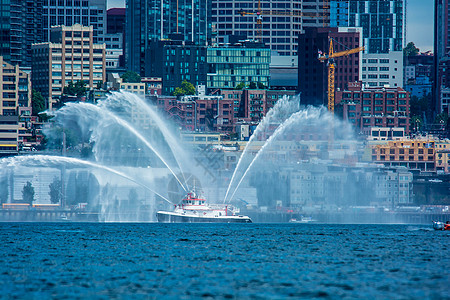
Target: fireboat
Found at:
194, 209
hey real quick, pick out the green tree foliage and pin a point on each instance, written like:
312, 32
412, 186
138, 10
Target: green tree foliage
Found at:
252, 85
240, 86
3, 189
55, 191
410, 50
261, 85
131, 77
28, 193
37, 102
75, 89
419, 106
186, 88
178, 92
189, 88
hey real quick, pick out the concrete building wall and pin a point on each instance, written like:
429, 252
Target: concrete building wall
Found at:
383, 69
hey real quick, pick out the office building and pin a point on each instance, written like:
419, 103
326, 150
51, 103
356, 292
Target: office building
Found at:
228, 66
71, 55
282, 21
15, 102
313, 74
149, 20
20, 26
176, 61
115, 38
70, 12
383, 26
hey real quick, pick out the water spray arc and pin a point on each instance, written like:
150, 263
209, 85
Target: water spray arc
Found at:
127, 126
48, 160
282, 110
134, 100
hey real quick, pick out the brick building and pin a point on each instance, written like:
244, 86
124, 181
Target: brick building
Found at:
219, 113
369, 107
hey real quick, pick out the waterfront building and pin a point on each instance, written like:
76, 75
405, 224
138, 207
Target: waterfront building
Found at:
414, 154
148, 20
282, 21
246, 62
70, 56
15, 107
71, 12
21, 25
176, 61
313, 74
379, 107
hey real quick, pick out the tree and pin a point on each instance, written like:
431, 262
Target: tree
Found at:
178, 92
37, 102
261, 85
28, 193
131, 77
55, 190
240, 86
186, 88
189, 88
410, 50
252, 85
78, 89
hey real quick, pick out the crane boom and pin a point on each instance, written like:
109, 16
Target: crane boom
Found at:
341, 53
331, 68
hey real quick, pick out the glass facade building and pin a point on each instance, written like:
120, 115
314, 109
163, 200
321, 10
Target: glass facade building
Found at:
282, 21
229, 66
155, 20
70, 12
383, 22
20, 26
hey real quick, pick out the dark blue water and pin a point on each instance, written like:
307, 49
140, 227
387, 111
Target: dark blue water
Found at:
231, 261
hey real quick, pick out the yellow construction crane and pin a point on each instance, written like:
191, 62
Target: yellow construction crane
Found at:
331, 65
259, 13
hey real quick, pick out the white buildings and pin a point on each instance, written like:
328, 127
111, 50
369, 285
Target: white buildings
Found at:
383, 69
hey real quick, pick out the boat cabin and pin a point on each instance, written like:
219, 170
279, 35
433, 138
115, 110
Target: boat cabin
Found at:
192, 199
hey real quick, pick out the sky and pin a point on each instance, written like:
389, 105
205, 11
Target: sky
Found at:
419, 22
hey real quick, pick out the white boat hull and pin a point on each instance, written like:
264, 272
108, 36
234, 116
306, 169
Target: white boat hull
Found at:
173, 217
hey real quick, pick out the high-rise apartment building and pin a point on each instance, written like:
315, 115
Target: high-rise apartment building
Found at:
155, 20
383, 26
282, 21
71, 55
70, 12
441, 53
176, 61
20, 26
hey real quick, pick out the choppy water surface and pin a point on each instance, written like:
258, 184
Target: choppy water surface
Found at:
233, 261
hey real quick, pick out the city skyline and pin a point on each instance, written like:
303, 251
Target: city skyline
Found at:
418, 27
